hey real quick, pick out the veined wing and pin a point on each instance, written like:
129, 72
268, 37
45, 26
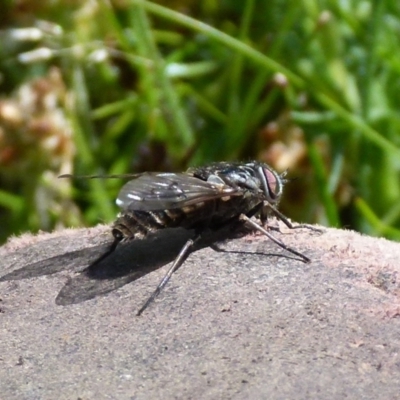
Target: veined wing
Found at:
163, 191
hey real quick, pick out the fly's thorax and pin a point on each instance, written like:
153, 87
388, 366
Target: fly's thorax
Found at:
251, 202
255, 177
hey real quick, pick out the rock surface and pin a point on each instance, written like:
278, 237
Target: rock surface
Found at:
248, 322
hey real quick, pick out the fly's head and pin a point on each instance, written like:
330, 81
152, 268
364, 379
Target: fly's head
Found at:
257, 178
271, 183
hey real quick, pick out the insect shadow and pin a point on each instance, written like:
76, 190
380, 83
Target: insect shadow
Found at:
218, 249
132, 260
127, 263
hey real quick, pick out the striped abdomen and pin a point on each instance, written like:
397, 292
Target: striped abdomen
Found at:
137, 224
211, 214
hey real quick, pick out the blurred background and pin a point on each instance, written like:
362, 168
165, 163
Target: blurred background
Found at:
118, 86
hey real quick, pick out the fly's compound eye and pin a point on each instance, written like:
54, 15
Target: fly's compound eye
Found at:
271, 184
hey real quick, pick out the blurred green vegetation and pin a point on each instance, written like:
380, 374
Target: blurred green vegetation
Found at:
117, 86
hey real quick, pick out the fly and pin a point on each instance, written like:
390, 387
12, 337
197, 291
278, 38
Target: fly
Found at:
203, 199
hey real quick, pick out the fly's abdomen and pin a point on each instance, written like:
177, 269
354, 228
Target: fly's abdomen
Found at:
137, 224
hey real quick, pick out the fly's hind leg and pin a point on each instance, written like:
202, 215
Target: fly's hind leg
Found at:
179, 260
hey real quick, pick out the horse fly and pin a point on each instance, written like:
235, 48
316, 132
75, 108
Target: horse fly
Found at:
202, 198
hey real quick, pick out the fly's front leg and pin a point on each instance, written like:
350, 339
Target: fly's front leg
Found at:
179, 260
279, 215
262, 212
245, 218
263, 215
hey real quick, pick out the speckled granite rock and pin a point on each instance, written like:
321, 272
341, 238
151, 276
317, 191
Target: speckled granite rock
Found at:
229, 325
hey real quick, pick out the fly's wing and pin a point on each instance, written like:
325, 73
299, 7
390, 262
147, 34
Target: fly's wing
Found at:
151, 192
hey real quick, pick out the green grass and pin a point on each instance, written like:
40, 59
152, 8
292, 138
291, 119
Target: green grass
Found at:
310, 86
